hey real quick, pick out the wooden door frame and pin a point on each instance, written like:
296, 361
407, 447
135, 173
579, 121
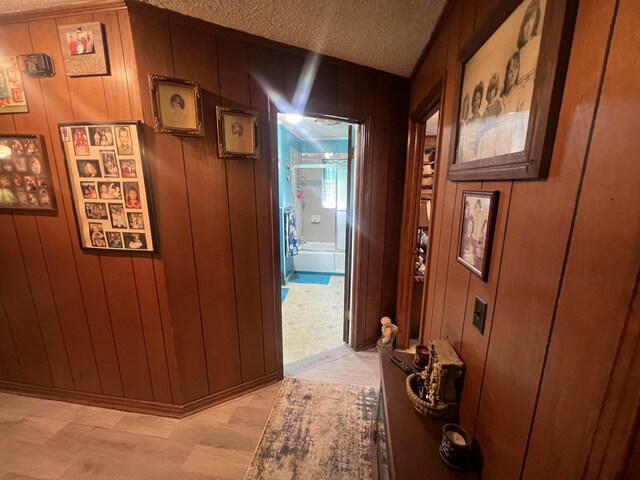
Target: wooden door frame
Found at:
410, 209
357, 325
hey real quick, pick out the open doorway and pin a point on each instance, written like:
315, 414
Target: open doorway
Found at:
316, 174
423, 232
417, 221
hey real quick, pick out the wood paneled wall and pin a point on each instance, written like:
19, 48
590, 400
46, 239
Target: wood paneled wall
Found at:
199, 319
551, 387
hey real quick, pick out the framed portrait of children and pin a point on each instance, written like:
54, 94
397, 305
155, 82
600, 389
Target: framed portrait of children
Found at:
477, 224
25, 176
84, 50
510, 82
12, 97
109, 181
177, 106
237, 133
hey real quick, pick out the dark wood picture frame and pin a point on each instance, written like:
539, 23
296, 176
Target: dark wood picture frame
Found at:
167, 112
229, 147
467, 246
139, 176
533, 161
39, 195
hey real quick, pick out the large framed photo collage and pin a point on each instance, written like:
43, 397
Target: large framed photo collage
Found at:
109, 182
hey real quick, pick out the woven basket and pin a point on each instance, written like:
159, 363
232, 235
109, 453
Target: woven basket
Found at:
438, 411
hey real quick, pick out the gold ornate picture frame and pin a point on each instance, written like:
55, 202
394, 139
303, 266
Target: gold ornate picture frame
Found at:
176, 105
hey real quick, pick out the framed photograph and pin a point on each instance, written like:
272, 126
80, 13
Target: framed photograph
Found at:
25, 177
12, 97
510, 81
177, 106
110, 184
84, 51
237, 133
476, 230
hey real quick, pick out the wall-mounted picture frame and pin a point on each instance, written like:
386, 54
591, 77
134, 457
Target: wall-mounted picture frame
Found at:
25, 175
84, 50
176, 105
12, 96
109, 181
477, 224
509, 87
237, 133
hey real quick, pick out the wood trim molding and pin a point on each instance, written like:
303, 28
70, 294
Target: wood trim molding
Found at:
137, 406
55, 11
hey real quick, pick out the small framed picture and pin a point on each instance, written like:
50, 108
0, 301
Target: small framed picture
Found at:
12, 98
476, 231
109, 181
177, 106
25, 178
237, 133
83, 49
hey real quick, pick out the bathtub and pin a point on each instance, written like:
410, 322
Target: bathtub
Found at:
321, 257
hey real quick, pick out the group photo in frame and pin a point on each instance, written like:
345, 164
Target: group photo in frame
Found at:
476, 230
25, 175
509, 86
110, 185
176, 105
237, 133
84, 49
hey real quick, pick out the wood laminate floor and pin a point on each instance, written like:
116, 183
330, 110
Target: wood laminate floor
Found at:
44, 439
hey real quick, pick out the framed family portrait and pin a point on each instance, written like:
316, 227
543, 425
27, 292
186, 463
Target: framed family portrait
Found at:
25, 176
476, 230
237, 133
84, 50
12, 97
110, 185
177, 106
510, 82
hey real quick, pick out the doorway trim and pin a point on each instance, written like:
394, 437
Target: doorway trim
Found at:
410, 206
357, 325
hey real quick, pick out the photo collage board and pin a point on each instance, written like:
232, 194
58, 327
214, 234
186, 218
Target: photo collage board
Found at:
110, 185
25, 178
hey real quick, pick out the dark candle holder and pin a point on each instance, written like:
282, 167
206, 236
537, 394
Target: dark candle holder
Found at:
455, 446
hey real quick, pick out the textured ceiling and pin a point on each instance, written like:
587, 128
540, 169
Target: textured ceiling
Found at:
385, 34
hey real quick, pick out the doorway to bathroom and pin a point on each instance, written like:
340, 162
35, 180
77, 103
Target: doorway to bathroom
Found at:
316, 175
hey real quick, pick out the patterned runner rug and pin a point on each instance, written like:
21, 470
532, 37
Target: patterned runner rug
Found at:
316, 431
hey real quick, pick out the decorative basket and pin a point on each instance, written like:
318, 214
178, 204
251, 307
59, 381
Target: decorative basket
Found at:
442, 411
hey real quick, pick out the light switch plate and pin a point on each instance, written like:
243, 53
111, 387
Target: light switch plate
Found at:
315, 218
480, 314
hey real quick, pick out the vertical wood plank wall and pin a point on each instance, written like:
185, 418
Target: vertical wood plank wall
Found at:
199, 317
551, 386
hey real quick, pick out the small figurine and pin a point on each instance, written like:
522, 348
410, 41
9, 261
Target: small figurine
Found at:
389, 332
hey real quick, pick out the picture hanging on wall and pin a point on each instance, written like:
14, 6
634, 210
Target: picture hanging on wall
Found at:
25, 177
110, 185
83, 49
12, 97
510, 80
177, 106
237, 133
476, 230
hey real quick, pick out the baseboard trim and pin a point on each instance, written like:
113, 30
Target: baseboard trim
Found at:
138, 406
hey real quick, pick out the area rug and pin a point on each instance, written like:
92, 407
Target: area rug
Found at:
311, 278
316, 430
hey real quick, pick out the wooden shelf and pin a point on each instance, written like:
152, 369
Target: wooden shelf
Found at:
412, 439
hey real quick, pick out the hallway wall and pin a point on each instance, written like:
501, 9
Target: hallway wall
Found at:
197, 320
551, 386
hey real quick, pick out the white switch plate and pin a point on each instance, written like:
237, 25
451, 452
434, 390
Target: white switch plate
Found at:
315, 218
